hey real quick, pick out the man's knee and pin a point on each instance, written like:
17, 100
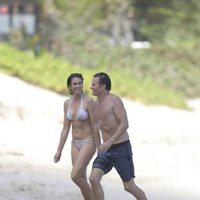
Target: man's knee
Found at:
96, 176
93, 180
129, 186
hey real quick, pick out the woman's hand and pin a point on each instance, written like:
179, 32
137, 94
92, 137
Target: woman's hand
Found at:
57, 157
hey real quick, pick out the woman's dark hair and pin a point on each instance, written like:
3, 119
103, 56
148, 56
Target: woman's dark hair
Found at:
69, 80
104, 79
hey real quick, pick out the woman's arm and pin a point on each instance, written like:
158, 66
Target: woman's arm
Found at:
64, 134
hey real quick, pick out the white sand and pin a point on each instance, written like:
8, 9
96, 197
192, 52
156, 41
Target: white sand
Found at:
165, 146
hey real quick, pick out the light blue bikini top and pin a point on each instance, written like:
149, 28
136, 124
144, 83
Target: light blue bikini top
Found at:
81, 115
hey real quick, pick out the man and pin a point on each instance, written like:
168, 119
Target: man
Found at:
115, 151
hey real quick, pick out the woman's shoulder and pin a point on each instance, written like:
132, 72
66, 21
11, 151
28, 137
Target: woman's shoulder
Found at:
88, 101
88, 98
67, 101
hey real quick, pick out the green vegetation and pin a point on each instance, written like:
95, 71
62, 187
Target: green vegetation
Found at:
167, 73
50, 72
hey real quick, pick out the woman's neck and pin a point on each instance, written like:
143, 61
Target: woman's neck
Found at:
77, 97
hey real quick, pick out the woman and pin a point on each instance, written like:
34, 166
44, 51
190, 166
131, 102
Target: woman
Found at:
78, 113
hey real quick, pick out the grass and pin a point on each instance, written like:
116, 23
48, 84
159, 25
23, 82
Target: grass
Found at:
51, 72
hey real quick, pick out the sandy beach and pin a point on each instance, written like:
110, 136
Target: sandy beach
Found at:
165, 143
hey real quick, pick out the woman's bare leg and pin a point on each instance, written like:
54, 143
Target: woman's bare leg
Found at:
80, 161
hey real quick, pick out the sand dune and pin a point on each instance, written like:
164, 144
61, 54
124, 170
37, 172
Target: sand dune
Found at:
165, 147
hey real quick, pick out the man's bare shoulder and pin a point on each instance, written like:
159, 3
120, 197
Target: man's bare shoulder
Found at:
114, 97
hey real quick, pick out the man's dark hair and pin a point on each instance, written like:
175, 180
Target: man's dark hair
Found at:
69, 80
104, 79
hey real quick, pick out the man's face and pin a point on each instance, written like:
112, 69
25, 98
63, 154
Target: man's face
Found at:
95, 86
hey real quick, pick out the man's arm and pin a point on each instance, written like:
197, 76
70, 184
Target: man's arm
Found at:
121, 116
93, 119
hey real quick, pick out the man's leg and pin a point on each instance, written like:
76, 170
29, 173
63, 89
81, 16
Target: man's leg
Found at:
95, 178
132, 188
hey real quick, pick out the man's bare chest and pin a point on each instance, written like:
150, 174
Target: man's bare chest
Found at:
103, 111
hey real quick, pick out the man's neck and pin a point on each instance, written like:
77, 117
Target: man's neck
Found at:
103, 95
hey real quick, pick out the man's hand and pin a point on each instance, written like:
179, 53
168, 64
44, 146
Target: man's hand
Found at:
104, 147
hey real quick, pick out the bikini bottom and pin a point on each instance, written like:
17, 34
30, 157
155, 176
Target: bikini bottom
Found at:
80, 143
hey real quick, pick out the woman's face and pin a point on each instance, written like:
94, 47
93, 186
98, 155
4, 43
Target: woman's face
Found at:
76, 85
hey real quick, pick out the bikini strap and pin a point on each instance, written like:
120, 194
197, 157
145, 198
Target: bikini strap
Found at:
70, 102
68, 109
81, 100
